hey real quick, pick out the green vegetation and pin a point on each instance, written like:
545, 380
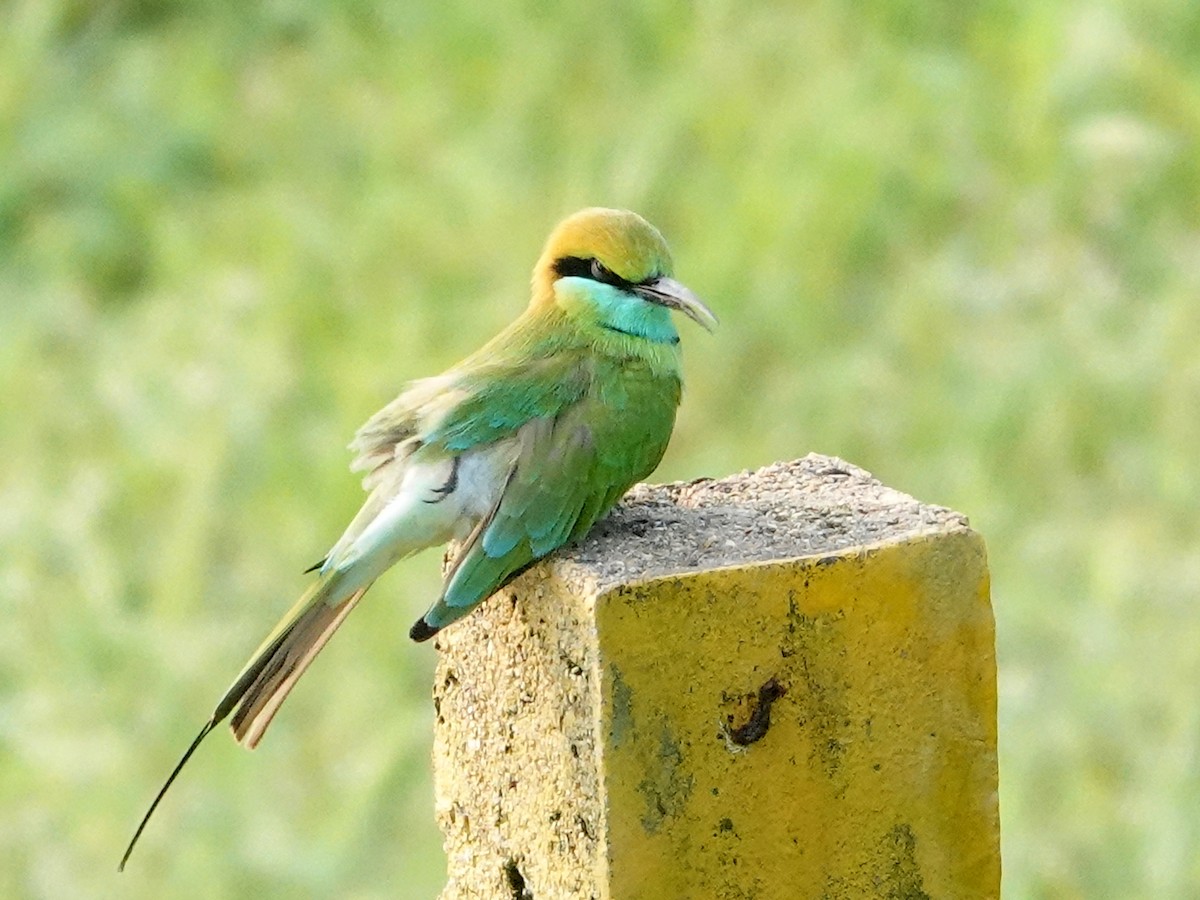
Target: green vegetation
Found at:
957, 244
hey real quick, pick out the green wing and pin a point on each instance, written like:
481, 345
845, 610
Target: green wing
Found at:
501, 398
478, 402
574, 461
483, 399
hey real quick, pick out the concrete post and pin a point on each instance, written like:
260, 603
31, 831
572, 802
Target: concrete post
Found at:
780, 684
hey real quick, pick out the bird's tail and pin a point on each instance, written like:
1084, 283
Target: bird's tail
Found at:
258, 692
397, 520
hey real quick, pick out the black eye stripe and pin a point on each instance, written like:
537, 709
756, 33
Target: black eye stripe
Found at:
578, 267
573, 267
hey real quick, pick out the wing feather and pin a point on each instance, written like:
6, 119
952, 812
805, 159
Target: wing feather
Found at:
571, 467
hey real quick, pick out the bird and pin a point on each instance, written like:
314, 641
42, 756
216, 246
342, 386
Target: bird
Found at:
511, 453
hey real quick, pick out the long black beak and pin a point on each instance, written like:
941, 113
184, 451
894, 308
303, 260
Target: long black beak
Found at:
670, 293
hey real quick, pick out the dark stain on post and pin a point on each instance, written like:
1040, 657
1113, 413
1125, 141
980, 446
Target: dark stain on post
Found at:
667, 787
622, 708
903, 880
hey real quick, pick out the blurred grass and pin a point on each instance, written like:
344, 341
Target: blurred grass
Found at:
958, 244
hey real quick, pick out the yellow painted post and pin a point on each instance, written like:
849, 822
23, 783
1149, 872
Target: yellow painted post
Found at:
777, 685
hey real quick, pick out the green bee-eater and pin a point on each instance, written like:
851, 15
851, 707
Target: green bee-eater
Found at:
513, 452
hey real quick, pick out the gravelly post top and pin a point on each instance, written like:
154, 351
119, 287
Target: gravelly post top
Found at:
814, 505
777, 684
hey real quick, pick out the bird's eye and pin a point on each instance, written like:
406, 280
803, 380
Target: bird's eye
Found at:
600, 272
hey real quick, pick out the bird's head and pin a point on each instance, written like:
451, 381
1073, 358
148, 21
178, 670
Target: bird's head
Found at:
612, 269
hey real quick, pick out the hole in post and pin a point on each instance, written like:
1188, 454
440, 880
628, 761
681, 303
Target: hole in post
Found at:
756, 726
516, 881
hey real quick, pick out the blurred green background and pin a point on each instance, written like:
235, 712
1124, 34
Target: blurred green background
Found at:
955, 243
